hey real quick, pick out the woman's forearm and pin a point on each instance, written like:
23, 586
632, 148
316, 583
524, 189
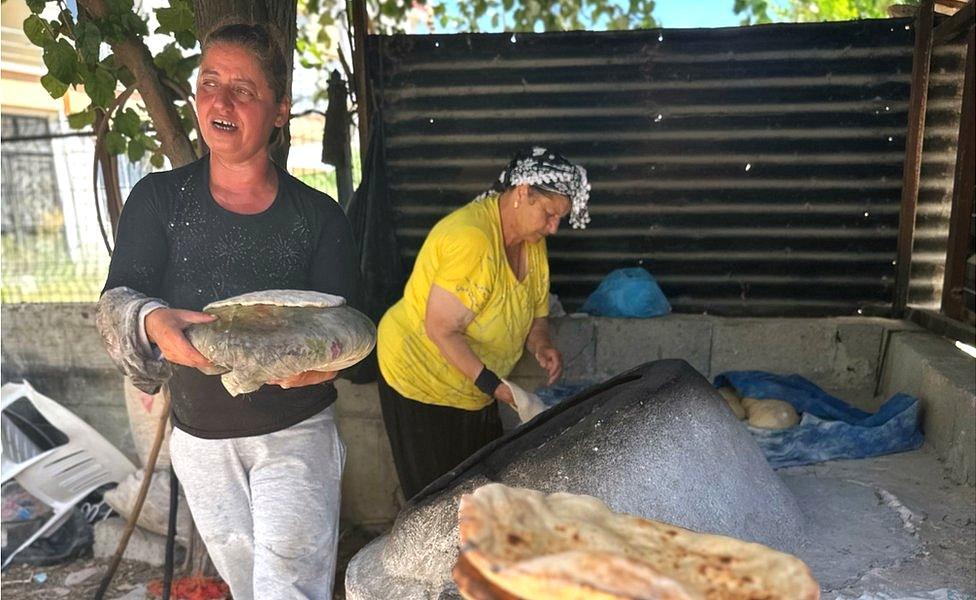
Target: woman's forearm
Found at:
538, 337
457, 352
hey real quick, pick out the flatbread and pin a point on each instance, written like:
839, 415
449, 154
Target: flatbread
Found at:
275, 334
569, 547
295, 298
527, 404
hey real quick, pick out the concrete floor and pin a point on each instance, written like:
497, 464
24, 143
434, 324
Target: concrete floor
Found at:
891, 525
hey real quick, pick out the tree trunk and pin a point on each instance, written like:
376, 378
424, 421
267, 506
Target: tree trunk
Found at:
279, 15
133, 54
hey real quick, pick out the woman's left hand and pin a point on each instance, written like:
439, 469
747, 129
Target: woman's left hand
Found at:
551, 360
305, 378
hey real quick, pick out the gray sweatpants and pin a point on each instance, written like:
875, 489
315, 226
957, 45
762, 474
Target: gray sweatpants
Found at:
267, 506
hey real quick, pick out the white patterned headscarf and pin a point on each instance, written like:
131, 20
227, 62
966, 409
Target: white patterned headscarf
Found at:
549, 170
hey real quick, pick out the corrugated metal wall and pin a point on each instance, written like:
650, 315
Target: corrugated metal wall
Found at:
751, 170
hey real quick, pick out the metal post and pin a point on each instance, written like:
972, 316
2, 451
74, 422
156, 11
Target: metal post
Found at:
913, 151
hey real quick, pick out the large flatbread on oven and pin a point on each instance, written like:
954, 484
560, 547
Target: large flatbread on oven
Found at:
571, 547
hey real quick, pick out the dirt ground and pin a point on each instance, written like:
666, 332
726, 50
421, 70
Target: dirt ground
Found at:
80, 579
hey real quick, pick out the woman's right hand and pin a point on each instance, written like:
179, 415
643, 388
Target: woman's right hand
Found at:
504, 394
164, 327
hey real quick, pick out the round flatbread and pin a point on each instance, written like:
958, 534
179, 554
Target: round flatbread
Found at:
568, 546
274, 335
294, 298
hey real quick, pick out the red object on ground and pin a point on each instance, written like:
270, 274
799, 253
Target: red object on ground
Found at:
192, 588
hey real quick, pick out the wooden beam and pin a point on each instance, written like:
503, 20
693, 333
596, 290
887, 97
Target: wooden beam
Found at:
911, 172
360, 29
955, 25
960, 241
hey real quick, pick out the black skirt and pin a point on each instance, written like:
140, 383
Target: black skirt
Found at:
429, 440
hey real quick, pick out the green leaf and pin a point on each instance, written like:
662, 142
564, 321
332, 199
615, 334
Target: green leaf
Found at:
88, 41
169, 60
115, 142
187, 39
80, 120
178, 17
149, 142
36, 31
100, 86
128, 123
136, 150
54, 86
61, 60
36, 6
156, 160
186, 66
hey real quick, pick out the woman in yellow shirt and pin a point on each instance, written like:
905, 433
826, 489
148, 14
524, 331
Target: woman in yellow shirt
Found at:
478, 294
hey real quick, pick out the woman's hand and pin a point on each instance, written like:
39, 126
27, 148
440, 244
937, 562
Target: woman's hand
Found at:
305, 378
164, 327
540, 345
551, 360
504, 394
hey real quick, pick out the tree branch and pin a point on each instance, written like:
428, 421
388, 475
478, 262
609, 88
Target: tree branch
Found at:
133, 54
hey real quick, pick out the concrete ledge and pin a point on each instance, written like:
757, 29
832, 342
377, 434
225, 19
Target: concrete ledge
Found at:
944, 380
841, 354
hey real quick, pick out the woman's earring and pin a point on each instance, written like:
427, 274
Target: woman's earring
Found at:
516, 204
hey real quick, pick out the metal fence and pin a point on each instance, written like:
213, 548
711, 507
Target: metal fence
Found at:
753, 170
53, 245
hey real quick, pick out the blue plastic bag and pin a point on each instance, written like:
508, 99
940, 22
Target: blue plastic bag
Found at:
629, 292
830, 428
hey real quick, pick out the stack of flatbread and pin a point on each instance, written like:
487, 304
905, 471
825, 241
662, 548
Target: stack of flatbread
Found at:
274, 334
518, 543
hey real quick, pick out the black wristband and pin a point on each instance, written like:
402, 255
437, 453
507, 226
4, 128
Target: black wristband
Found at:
487, 381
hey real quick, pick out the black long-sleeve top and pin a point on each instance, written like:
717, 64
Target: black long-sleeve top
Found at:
176, 243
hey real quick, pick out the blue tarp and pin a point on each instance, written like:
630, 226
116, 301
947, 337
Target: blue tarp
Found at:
631, 292
829, 428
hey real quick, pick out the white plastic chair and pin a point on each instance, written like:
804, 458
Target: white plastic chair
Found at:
61, 476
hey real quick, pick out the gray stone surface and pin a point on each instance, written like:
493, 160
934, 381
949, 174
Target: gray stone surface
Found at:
912, 504
369, 483
944, 379
659, 443
837, 354
137, 593
143, 546
625, 343
56, 348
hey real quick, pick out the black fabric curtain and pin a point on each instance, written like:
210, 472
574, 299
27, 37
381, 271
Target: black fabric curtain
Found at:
371, 216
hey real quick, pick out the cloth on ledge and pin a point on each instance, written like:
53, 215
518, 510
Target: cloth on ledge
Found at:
830, 428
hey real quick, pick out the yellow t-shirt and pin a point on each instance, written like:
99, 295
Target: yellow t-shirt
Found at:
465, 255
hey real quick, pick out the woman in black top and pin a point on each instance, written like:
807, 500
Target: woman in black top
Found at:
261, 471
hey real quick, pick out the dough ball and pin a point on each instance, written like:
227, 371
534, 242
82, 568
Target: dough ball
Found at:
771, 414
732, 399
749, 401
